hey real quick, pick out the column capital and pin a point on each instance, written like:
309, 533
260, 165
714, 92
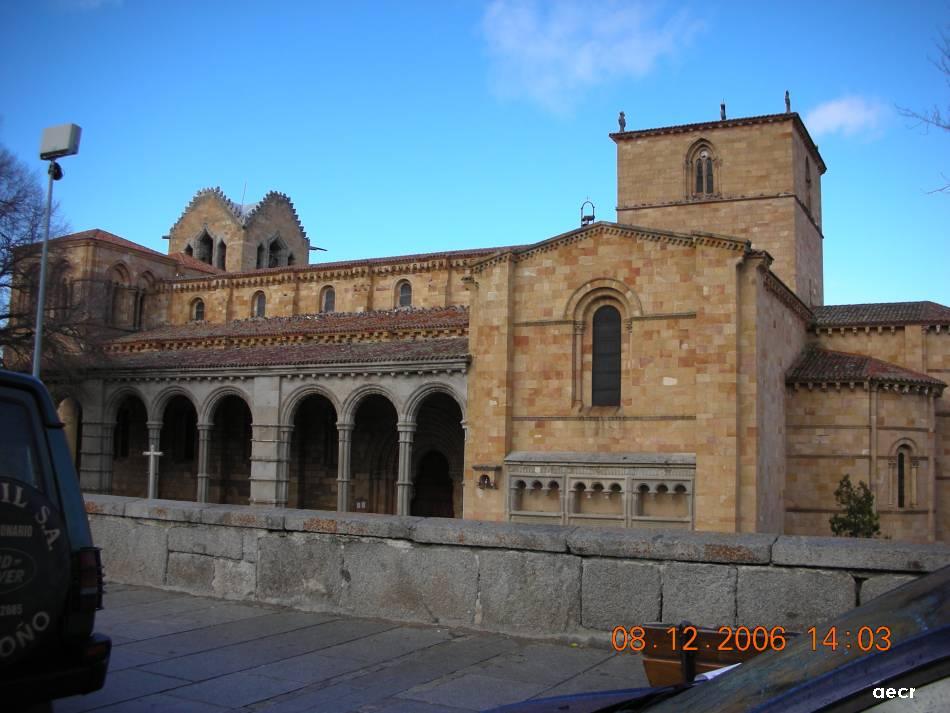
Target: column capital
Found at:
406, 427
205, 427
153, 425
347, 426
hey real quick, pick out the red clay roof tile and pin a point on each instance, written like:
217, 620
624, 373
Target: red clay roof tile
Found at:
881, 313
293, 355
823, 365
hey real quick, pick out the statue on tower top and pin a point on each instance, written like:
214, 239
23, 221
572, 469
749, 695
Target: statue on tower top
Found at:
622, 120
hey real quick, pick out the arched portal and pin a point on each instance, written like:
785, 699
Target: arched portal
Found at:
313, 455
70, 413
439, 442
375, 459
179, 447
229, 461
129, 442
433, 487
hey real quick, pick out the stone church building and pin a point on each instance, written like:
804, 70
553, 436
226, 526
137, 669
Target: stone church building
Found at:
677, 368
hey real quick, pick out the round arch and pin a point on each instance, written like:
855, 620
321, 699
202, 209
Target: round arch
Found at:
161, 401
119, 272
293, 400
599, 290
411, 409
206, 410
352, 402
903, 442
111, 409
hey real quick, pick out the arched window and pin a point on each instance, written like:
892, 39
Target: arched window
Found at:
259, 304
205, 248
189, 251
119, 287
198, 310
139, 314
605, 373
404, 294
328, 300
291, 259
274, 254
222, 260
901, 476
701, 167
261, 252
704, 173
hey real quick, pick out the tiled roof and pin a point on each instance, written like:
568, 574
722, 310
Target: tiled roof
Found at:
321, 323
294, 354
881, 313
193, 263
107, 237
823, 365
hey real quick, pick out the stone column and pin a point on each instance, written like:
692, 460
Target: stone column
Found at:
204, 448
154, 436
283, 464
344, 435
404, 479
95, 468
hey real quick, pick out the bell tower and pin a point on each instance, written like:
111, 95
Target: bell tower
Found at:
757, 178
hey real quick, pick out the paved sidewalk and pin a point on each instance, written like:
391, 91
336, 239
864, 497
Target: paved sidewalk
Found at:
174, 652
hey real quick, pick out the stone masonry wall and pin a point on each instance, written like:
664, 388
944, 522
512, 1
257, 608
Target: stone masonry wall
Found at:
536, 580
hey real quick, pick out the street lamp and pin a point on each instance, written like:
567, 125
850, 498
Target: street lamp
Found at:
57, 141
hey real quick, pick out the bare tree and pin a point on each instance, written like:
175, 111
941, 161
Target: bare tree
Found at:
935, 116
68, 340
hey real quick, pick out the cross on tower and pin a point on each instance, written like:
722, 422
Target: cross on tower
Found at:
153, 456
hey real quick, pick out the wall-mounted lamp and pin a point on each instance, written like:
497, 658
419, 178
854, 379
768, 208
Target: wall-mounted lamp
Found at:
485, 482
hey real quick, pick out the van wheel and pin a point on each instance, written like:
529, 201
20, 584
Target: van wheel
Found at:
34, 569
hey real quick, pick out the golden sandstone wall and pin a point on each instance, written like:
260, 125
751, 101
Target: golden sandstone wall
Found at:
761, 192
358, 286
926, 350
854, 431
684, 362
209, 213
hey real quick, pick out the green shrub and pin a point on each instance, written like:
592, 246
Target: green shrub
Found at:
858, 518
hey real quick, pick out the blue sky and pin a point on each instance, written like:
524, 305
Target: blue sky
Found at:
399, 127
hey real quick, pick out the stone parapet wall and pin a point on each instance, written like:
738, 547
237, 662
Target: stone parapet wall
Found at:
536, 580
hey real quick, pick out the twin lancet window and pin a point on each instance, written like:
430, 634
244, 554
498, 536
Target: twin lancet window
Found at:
704, 173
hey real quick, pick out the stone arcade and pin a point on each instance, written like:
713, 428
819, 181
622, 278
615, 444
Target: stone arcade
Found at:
676, 368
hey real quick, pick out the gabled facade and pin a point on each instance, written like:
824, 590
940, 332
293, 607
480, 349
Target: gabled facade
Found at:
676, 368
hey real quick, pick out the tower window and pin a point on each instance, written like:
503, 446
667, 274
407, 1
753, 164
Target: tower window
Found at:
701, 165
198, 311
261, 252
222, 260
205, 248
259, 304
404, 294
605, 375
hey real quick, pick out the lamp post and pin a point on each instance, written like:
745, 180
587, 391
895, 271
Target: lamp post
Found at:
57, 141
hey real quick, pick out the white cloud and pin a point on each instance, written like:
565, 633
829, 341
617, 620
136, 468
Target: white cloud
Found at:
849, 116
551, 52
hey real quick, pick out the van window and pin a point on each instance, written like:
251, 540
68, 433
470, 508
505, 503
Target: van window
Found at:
18, 455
